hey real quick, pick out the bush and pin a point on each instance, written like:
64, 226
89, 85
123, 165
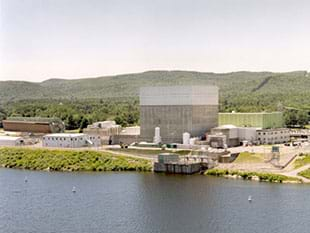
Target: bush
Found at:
69, 160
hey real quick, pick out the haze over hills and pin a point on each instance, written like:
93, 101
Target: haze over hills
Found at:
292, 86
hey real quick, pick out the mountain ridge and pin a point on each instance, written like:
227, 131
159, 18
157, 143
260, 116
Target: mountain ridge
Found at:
232, 85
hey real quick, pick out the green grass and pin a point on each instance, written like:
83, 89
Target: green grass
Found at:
305, 173
307, 126
302, 161
72, 131
247, 157
69, 160
150, 152
268, 177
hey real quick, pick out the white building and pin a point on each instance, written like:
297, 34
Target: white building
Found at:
273, 136
11, 141
66, 140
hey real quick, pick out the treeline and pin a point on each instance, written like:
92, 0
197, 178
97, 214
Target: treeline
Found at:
77, 114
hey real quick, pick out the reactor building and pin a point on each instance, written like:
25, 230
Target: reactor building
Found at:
177, 110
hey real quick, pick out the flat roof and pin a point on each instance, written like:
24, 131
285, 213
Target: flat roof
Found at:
65, 135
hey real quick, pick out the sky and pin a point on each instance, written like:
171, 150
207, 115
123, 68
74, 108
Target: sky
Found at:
42, 39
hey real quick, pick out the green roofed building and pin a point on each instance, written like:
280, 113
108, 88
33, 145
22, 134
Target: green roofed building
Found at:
264, 120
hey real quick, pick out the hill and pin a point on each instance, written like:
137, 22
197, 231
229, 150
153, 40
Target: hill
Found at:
253, 88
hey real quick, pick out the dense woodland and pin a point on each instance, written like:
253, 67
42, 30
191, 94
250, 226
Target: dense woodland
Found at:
79, 113
83, 101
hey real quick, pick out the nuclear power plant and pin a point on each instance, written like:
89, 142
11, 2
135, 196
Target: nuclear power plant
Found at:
176, 110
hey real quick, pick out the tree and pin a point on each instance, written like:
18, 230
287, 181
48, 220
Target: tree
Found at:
302, 118
70, 123
295, 118
84, 123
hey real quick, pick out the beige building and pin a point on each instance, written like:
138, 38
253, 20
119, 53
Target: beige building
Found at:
127, 136
105, 129
235, 136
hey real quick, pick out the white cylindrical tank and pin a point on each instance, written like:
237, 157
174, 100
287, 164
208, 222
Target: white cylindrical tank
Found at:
192, 141
186, 137
157, 138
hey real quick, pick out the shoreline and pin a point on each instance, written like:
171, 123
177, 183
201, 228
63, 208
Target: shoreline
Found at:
254, 176
59, 160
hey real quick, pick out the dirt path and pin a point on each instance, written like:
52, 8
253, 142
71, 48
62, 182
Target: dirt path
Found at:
294, 173
117, 153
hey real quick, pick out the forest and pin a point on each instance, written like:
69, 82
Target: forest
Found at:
79, 102
78, 114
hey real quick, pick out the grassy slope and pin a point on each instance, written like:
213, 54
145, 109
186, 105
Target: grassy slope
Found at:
246, 157
305, 173
68, 160
302, 161
235, 87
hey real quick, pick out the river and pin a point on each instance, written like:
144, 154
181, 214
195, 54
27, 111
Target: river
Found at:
147, 203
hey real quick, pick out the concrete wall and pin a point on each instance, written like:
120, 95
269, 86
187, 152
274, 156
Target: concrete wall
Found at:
126, 139
179, 95
247, 134
179, 109
175, 120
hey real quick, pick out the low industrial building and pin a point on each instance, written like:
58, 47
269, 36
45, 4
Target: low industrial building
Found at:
273, 136
176, 110
264, 120
11, 141
33, 125
104, 129
65, 140
127, 136
231, 135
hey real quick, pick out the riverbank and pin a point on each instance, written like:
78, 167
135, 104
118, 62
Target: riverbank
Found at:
251, 175
69, 160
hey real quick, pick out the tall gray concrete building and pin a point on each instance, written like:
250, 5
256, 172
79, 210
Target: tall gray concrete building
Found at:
177, 109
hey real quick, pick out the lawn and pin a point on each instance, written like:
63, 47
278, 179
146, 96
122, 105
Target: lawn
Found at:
247, 157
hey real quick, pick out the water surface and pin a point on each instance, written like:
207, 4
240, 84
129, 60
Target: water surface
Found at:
147, 203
